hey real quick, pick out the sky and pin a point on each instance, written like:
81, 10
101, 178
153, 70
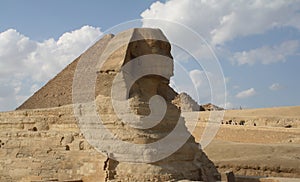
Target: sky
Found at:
256, 42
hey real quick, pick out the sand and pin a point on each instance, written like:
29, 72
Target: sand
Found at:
271, 147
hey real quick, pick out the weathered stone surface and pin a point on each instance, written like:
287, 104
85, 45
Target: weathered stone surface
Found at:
29, 155
186, 103
45, 144
211, 107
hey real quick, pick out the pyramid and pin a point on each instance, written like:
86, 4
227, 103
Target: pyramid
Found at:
188, 162
58, 91
187, 103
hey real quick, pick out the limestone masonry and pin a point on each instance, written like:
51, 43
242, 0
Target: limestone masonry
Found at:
42, 141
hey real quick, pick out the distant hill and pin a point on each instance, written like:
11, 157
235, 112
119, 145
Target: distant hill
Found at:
187, 103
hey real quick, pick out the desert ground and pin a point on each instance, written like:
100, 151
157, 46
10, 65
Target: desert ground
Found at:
268, 144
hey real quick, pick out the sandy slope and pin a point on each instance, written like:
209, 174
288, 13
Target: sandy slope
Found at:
274, 117
290, 111
267, 149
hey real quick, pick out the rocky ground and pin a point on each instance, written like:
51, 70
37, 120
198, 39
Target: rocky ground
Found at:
267, 144
269, 148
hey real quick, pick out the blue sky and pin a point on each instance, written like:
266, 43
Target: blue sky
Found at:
41, 20
257, 43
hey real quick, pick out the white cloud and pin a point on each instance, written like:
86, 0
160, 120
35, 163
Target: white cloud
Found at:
34, 88
194, 82
198, 77
14, 51
201, 80
27, 64
221, 21
267, 54
236, 87
209, 87
246, 93
275, 87
228, 105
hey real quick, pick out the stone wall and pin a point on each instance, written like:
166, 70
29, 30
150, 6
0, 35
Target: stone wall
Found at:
46, 144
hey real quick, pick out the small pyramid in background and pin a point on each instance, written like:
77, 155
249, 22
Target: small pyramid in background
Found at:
187, 103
